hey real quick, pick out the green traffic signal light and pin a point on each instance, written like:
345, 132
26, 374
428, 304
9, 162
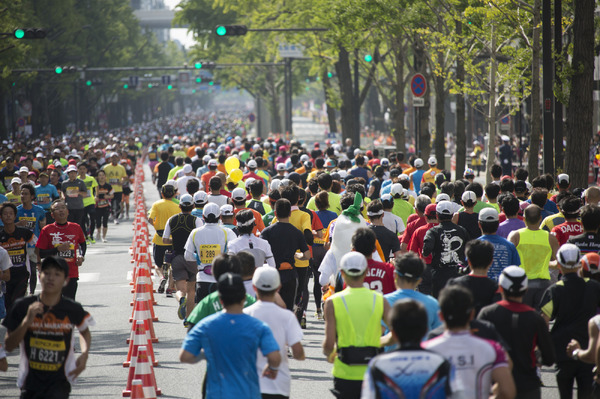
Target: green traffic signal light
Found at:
211, 83
149, 85
193, 91
329, 75
221, 30
169, 87
58, 70
198, 65
368, 58
19, 33
125, 86
88, 83
198, 80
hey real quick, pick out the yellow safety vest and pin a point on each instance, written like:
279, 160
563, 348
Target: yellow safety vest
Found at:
535, 253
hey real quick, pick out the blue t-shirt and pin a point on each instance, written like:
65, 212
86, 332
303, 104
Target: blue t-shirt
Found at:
231, 368
197, 212
417, 175
505, 254
45, 195
32, 217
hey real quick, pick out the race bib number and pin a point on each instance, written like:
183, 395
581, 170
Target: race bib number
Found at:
208, 253
17, 256
68, 255
46, 355
102, 202
152, 156
72, 192
29, 220
43, 199
113, 181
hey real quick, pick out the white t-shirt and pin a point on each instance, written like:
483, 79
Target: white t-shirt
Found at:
207, 241
393, 223
258, 244
5, 264
287, 332
182, 183
217, 199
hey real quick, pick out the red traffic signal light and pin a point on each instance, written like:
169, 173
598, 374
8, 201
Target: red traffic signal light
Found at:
231, 30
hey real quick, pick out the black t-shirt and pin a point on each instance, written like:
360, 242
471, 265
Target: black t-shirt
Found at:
470, 221
47, 341
16, 244
285, 239
522, 328
181, 226
6, 176
484, 289
387, 240
376, 184
103, 190
258, 206
163, 173
586, 242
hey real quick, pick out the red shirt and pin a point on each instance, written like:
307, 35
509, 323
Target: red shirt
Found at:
416, 243
565, 230
54, 234
411, 228
413, 217
380, 277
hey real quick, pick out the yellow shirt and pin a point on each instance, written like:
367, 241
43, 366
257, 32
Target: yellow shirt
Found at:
300, 220
114, 176
160, 213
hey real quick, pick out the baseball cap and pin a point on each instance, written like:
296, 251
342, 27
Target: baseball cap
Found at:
200, 198
410, 270
249, 181
266, 278
206, 158
15, 180
24, 169
387, 200
591, 262
211, 209
353, 263
213, 162
280, 166
58, 164
442, 197
252, 164
238, 194
171, 183
56, 261
432, 161
443, 208
385, 162
230, 284
186, 199
431, 210
488, 215
469, 172
403, 177
520, 186
418, 163
513, 280
468, 196
226, 210
72, 168
304, 158
563, 177
187, 168
569, 256
396, 189
114, 154
505, 138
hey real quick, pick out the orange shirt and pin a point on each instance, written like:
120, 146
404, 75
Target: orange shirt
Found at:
259, 225
206, 178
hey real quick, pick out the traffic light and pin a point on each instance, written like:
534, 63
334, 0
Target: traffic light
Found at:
166, 79
29, 33
93, 82
169, 87
149, 85
64, 69
329, 75
198, 79
88, 82
231, 30
134, 81
368, 58
204, 64
126, 86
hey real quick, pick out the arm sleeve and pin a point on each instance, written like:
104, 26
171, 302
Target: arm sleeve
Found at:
428, 243
167, 230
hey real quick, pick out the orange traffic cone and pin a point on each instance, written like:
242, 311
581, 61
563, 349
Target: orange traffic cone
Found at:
142, 370
140, 337
137, 391
144, 316
142, 305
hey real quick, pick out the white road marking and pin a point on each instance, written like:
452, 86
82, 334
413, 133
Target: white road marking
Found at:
88, 277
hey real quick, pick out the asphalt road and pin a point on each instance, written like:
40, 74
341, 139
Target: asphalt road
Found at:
104, 291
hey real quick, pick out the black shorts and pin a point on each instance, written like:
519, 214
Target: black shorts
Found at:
183, 270
203, 289
158, 252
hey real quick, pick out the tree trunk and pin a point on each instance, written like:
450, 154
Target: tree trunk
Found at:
461, 139
342, 67
491, 153
536, 112
330, 110
399, 114
423, 112
579, 111
440, 134
275, 104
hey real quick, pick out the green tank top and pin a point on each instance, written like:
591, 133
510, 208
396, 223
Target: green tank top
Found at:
535, 253
358, 315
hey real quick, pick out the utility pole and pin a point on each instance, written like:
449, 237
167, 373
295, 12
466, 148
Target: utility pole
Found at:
547, 89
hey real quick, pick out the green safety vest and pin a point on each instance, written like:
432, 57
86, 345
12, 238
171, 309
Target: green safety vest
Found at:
535, 253
358, 315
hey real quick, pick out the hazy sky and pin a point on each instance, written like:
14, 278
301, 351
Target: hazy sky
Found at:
180, 34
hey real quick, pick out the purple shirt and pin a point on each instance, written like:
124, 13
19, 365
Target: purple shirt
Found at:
509, 225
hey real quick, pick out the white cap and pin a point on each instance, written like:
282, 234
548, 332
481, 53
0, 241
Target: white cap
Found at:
353, 263
238, 194
226, 210
56, 151
211, 209
114, 154
568, 256
280, 166
432, 161
304, 158
186, 199
396, 189
200, 197
266, 278
505, 138
444, 208
206, 158
275, 183
15, 180
213, 162
384, 162
488, 215
513, 280
171, 183
418, 163
357, 151
562, 177
58, 163
284, 182
72, 168
187, 168
24, 169
442, 197
252, 164
469, 196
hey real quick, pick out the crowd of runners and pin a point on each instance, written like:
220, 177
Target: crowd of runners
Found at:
428, 286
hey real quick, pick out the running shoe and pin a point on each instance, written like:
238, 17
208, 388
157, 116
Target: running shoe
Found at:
319, 314
186, 324
88, 241
161, 286
303, 323
181, 312
92, 241
104, 240
116, 221
169, 293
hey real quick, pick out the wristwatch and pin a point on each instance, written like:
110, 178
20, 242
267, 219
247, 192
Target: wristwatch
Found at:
575, 354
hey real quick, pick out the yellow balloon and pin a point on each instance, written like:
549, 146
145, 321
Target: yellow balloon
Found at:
236, 175
231, 163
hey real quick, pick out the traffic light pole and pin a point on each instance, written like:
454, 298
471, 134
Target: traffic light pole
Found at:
287, 76
150, 68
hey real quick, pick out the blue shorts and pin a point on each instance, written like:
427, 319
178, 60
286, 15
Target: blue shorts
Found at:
2, 308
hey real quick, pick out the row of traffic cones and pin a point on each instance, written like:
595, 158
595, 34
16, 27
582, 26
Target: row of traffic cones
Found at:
141, 382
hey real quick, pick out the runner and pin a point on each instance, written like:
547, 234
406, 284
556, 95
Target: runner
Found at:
104, 194
116, 175
246, 241
89, 202
73, 191
42, 327
46, 193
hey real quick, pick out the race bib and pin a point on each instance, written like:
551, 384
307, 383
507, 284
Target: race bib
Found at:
113, 181
208, 253
102, 202
43, 199
319, 241
72, 192
29, 220
17, 256
46, 355
68, 255
152, 156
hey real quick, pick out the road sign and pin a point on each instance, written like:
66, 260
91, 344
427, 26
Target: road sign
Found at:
418, 102
291, 51
251, 117
505, 120
21, 122
418, 85
184, 77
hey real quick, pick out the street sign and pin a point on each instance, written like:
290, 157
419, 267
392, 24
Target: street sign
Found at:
505, 122
291, 51
184, 77
418, 85
418, 102
251, 117
21, 122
